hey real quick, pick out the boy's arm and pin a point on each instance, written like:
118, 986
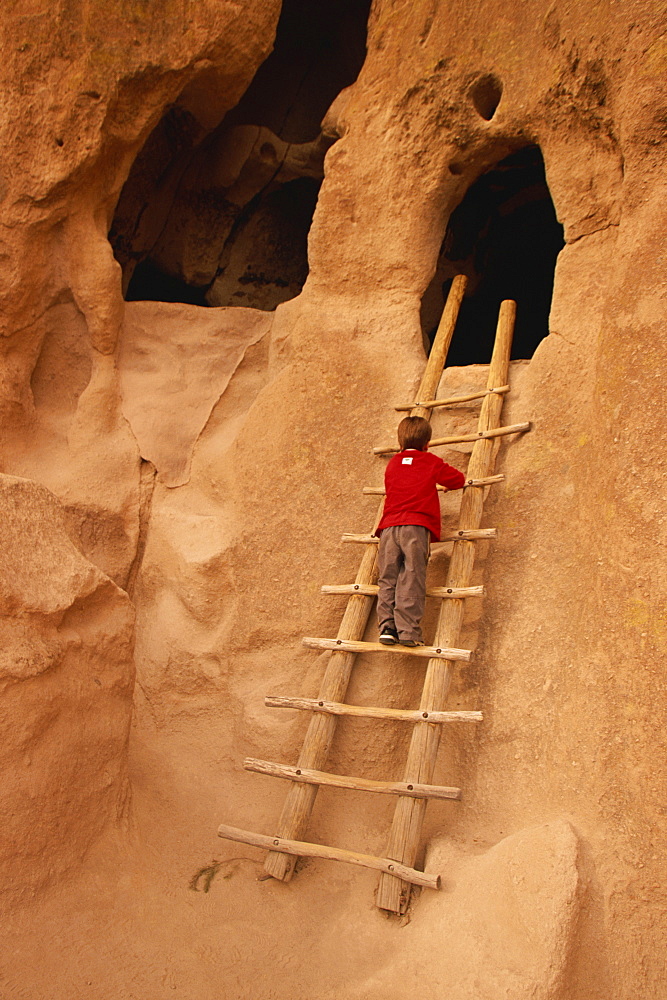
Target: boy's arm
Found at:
450, 477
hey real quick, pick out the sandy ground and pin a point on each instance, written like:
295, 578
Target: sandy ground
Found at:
131, 925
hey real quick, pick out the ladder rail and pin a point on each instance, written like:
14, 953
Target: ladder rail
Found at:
300, 798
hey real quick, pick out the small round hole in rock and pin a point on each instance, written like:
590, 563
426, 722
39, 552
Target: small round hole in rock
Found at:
485, 95
456, 168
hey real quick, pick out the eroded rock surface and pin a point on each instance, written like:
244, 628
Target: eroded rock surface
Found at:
512, 912
66, 680
175, 363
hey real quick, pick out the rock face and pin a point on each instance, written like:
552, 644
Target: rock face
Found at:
512, 912
82, 88
228, 213
66, 678
197, 465
175, 364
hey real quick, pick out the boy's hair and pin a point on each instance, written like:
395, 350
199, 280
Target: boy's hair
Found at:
414, 432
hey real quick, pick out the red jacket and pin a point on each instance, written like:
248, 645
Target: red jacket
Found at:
410, 480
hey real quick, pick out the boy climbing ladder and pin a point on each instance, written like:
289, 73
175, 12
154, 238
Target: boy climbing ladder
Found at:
411, 519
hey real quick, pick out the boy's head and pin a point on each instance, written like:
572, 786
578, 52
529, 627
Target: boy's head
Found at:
414, 432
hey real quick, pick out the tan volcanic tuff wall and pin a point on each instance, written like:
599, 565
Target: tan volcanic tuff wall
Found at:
82, 86
563, 786
66, 680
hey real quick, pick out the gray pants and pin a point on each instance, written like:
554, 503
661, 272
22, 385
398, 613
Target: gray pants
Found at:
402, 559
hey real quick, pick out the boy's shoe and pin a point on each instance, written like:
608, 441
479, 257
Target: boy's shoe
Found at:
411, 642
388, 634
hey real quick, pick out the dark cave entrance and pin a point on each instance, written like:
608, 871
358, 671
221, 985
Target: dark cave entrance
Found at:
221, 217
505, 237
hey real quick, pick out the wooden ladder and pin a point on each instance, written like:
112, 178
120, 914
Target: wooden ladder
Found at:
413, 793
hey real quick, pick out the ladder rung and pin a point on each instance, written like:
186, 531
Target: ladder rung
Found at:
461, 438
363, 712
363, 589
431, 403
306, 850
412, 789
456, 592
349, 646
371, 589
460, 535
379, 491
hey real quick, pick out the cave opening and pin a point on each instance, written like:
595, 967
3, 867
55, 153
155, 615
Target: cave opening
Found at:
220, 215
504, 235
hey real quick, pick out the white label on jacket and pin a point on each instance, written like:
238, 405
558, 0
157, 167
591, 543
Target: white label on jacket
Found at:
406, 461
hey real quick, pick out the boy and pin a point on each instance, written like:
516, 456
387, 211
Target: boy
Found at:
411, 518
